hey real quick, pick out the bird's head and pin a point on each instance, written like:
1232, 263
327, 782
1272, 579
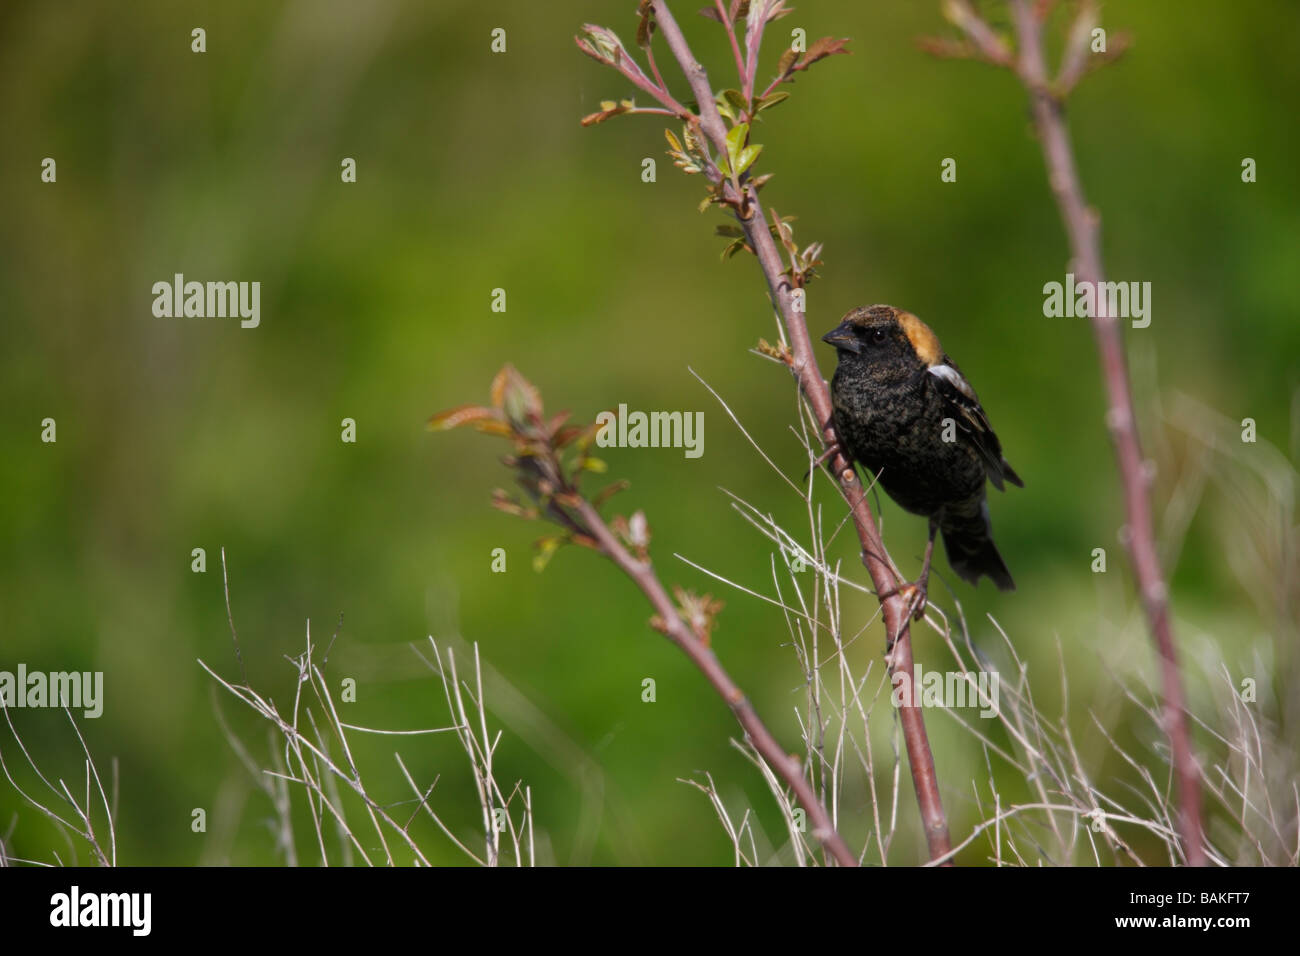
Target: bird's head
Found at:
878, 336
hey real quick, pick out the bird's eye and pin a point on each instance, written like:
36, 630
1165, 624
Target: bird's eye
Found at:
878, 336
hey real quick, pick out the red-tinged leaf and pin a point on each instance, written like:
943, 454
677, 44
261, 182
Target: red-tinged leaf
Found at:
519, 397
710, 13
588, 434
774, 227
553, 426
604, 41
497, 392
462, 415
566, 435
608, 108
494, 427
946, 48
645, 28
585, 540
785, 65
826, 46
585, 46
600, 497
504, 502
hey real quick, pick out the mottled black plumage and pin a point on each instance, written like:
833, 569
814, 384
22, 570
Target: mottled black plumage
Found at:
904, 411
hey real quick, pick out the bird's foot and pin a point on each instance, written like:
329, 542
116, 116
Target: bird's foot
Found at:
831, 451
914, 593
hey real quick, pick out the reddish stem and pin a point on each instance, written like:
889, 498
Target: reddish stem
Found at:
1082, 225
788, 768
731, 35
894, 609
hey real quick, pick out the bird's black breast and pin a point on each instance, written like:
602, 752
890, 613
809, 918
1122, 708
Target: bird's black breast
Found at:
898, 429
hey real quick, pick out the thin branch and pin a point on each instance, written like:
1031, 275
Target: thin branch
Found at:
804, 367
787, 767
1082, 226
731, 35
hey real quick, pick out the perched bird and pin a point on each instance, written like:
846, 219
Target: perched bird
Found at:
904, 411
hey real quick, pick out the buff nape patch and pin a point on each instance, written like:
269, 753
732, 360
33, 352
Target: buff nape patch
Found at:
922, 338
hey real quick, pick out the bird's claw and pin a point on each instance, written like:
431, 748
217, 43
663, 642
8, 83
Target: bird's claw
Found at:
916, 596
831, 451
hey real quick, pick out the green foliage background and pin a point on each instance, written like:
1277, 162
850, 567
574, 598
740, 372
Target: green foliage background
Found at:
474, 174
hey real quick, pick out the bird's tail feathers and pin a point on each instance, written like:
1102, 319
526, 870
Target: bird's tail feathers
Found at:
968, 540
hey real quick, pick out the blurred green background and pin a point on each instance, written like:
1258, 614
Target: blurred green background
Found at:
474, 174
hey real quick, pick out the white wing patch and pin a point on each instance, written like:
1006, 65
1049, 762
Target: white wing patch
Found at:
953, 378
961, 397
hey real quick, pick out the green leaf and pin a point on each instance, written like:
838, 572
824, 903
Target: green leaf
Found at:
546, 549
771, 100
747, 157
735, 143
691, 140
602, 43
737, 101
732, 248
729, 231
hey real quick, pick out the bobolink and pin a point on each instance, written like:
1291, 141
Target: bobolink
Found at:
903, 410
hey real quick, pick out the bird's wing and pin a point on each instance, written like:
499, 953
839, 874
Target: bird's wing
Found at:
970, 418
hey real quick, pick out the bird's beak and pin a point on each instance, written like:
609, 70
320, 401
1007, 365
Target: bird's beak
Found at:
842, 337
